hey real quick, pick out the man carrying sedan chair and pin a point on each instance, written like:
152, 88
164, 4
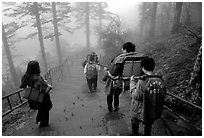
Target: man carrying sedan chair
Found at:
123, 65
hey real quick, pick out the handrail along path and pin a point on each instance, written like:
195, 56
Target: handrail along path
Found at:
49, 76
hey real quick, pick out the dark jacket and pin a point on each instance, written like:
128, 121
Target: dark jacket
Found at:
38, 82
146, 106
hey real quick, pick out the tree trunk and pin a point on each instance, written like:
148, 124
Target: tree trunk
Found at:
37, 16
87, 26
153, 20
9, 57
187, 18
177, 15
142, 21
168, 17
59, 54
100, 23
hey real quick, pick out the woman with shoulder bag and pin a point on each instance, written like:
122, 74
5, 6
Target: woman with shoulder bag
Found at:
33, 79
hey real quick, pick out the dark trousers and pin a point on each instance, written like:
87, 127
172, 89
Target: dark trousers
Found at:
92, 83
43, 117
43, 112
147, 126
114, 95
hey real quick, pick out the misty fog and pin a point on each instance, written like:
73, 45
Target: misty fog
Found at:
72, 40
129, 20
28, 49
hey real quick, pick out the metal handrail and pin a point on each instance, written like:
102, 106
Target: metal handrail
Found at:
9, 102
140, 77
185, 101
195, 107
193, 113
48, 76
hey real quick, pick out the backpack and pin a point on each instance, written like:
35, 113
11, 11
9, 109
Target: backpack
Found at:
153, 97
84, 63
91, 71
96, 59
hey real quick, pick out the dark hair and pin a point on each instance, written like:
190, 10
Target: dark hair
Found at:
93, 53
148, 63
129, 47
91, 58
33, 68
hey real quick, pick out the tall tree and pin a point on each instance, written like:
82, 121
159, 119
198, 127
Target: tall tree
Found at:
85, 11
9, 57
187, 14
98, 12
153, 19
142, 20
82, 10
40, 36
177, 15
87, 25
146, 13
167, 8
27, 13
100, 23
56, 33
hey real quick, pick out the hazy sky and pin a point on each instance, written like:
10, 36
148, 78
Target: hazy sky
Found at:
121, 6
128, 10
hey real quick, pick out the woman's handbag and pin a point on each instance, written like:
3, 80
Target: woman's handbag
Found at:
33, 94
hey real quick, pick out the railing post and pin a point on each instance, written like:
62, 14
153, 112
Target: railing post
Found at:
9, 102
61, 75
20, 97
50, 76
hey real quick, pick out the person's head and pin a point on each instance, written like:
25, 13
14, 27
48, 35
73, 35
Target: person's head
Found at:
91, 58
33, 68
128, 47
93, 53
147, 64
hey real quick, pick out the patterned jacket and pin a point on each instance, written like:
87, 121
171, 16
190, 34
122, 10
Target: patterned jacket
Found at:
141, 108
